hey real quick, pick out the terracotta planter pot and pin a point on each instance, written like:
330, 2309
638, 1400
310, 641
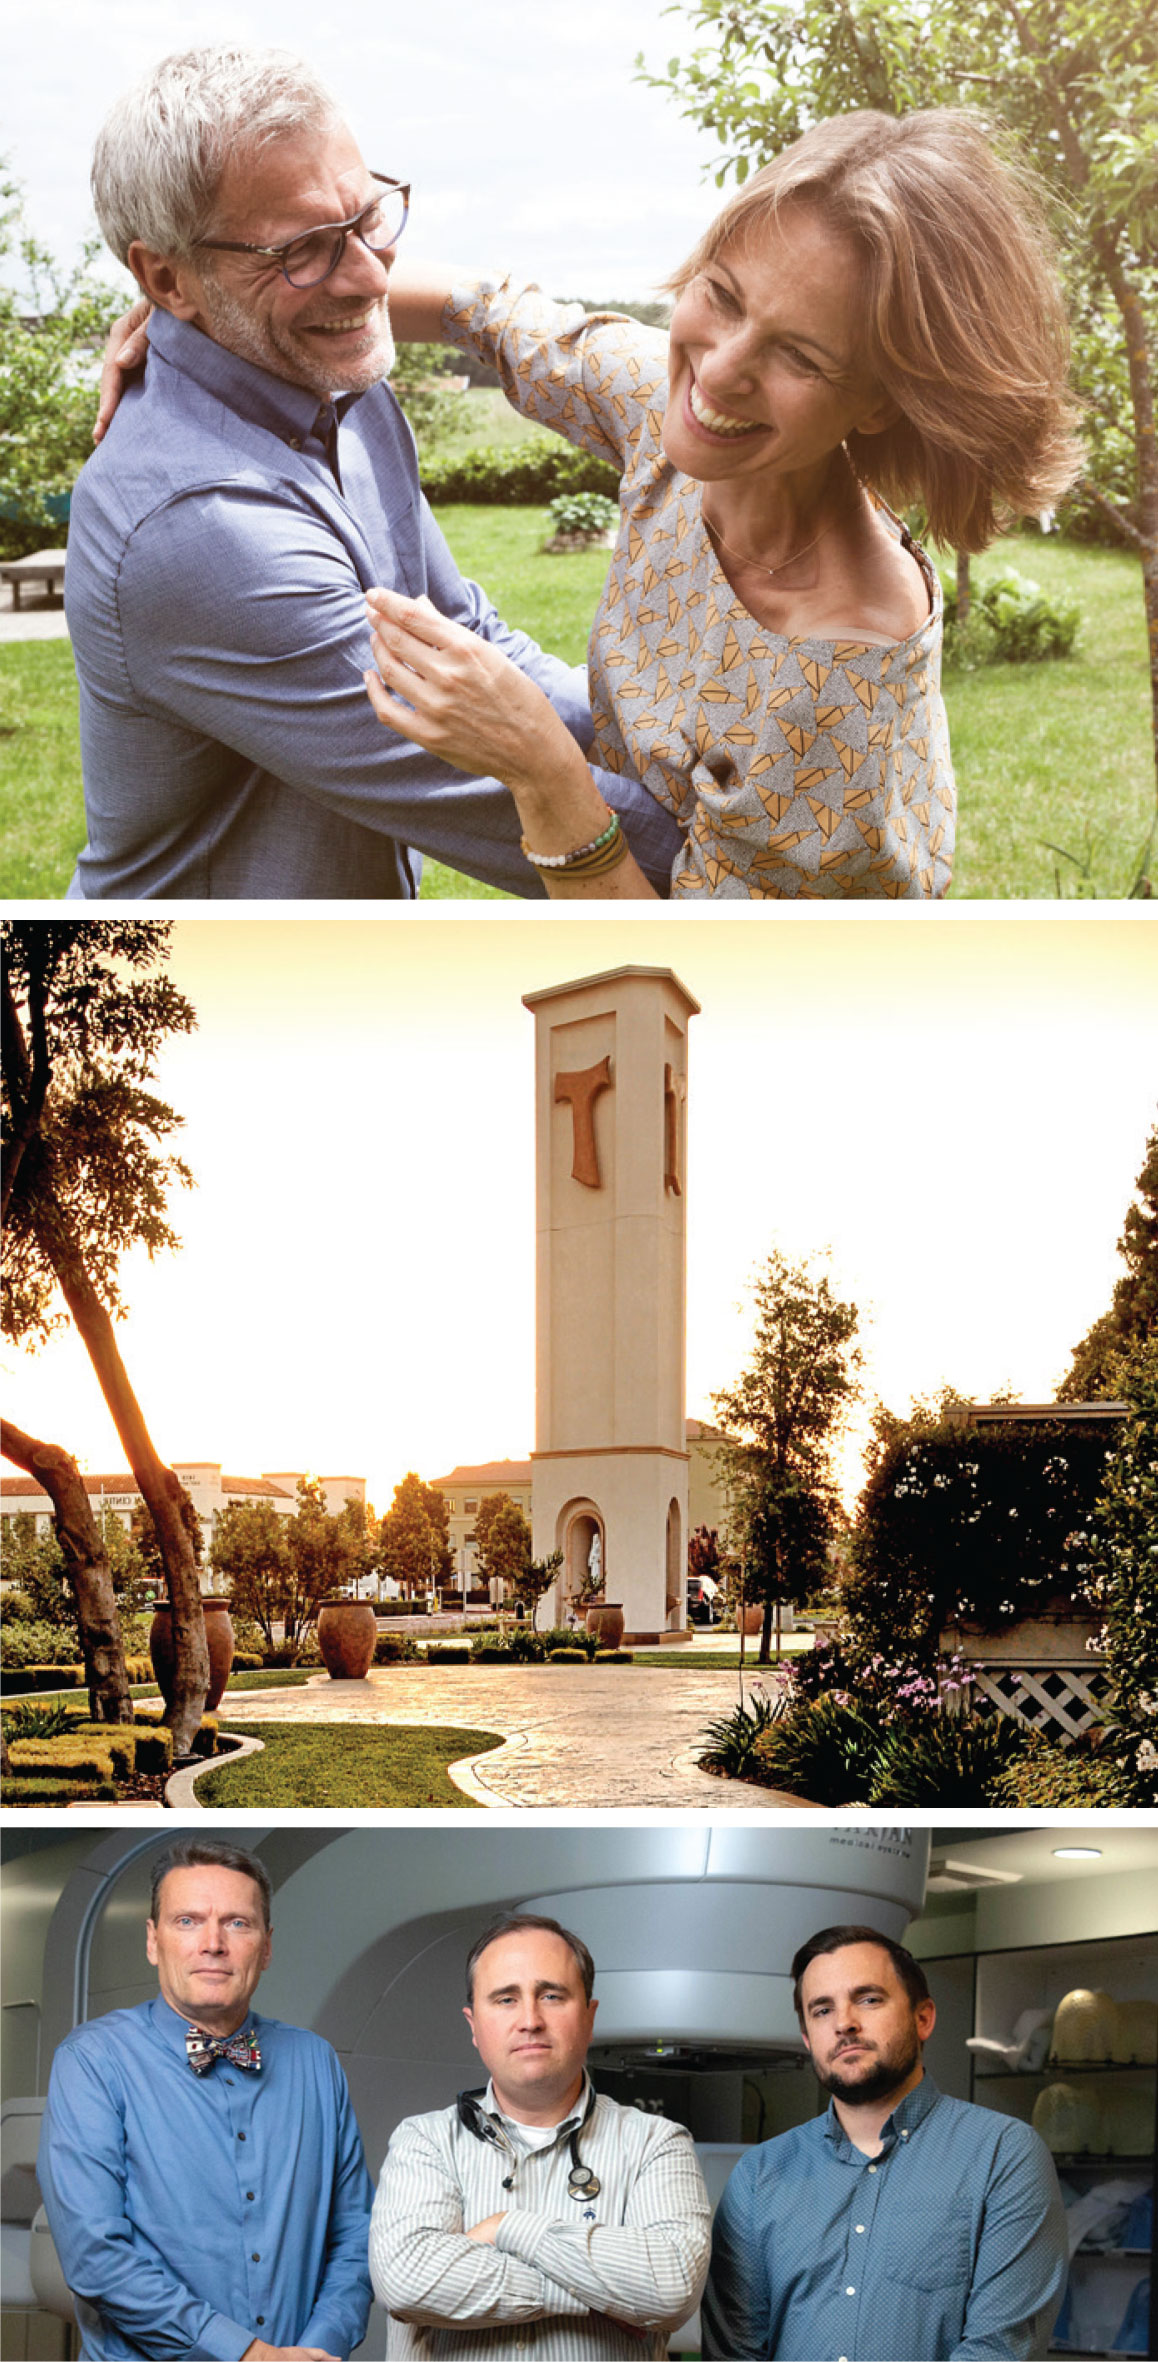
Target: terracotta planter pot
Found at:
605, 1620
347, 1632
219, 1635
750, 1621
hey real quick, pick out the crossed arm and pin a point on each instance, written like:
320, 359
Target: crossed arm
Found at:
428, 2267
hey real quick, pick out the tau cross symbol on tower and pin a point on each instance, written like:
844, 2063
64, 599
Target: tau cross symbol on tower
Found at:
674, 1091
582, 1088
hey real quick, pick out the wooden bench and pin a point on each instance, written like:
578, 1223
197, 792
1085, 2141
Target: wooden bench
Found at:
45, 565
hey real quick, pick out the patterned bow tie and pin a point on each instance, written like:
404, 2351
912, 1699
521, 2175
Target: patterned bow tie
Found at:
203, 2050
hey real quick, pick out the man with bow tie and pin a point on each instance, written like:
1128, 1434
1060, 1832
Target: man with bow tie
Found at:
201, 2166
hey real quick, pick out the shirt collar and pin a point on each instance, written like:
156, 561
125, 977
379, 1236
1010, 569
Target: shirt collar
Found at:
906, 2116
569, 2123
172, 2027
288, 411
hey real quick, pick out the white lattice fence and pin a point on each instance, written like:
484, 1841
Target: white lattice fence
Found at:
1060, 1700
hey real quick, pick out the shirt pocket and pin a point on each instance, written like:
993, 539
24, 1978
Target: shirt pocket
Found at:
924, 2250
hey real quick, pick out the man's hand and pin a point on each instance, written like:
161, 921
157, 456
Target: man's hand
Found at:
260, 2352
484, 2232
125, 349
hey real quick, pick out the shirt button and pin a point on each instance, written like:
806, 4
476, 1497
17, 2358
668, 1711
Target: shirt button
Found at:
872, 2169
255, 2258
261, 2320
850, 2292
241, 2136
860, 2227
904, 2136
295, 442
251, 2193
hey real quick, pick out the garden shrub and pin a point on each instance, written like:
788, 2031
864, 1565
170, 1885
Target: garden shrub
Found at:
568, 1656
67, 1758
825, 1753
38, 1677
282, 1655
952, 1759
450, 1653
45, 1793
37, 1722
569, 1636
730, 1740
1046, 1776
509, 475
390, 1647
155, 1750
1012, 620
614, 1656
587, 514
247, 1660
23, 1643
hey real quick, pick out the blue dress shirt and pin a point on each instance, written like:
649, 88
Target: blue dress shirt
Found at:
948, 2245
194, 2213
221, 542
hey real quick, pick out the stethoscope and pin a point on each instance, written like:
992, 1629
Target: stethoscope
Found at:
582, 2182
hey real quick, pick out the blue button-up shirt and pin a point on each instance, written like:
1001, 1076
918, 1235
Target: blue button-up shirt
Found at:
948, 2245
221, 542
194, 2213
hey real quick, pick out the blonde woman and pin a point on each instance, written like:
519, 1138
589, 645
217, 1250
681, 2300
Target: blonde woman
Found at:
875, 319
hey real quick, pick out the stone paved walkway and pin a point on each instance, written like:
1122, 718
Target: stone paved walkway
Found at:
576, 1736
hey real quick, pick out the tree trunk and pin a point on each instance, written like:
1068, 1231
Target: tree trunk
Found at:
159, 1488
964, 586
87, 1567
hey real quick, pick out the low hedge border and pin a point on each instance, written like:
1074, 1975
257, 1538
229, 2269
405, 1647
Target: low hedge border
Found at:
521, 474
26, 1679
46, 1793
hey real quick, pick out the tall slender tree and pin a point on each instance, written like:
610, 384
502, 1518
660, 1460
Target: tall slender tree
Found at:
86, 1565
782, 1419
87, 1009
1132, 1317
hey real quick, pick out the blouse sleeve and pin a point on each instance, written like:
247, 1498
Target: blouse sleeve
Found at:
596, 377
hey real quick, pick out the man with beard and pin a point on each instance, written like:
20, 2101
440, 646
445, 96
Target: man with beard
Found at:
901, 2223
255, 483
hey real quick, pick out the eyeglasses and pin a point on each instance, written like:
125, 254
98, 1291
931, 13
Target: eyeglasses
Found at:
307, 260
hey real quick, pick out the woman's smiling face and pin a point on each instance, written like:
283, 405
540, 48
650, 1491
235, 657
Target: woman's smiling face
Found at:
766, 375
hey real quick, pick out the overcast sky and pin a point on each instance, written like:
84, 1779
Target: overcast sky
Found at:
957, 1107
522, 128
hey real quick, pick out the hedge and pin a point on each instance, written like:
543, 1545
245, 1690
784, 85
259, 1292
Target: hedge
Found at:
47, 1793
449, 1655
523, 473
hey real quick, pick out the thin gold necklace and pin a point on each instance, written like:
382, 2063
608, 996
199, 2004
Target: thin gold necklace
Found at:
758, 563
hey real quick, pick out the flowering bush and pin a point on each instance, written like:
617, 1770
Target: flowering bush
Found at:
983, 1523
1125, 1555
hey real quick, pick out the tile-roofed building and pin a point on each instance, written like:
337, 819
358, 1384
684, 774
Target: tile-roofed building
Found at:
471, 1482
209, 1490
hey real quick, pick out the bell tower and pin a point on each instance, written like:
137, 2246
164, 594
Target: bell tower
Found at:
610, 1466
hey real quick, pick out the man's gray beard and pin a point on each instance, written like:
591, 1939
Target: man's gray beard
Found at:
886, 2076
235, 327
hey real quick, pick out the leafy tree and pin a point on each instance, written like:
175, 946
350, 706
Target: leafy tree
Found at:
249, 1551
1126, 1567
782, 1419
535, 1578
434, 411
53, 324
34, 1564
413, 1543
1133, 1314
1073, 81
86, 1173
84, 1560
502, 1539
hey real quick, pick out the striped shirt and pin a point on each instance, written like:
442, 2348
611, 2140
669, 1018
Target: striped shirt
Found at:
567, 2279
949, 2244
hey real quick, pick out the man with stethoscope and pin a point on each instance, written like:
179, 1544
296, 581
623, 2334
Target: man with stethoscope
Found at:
536, 2216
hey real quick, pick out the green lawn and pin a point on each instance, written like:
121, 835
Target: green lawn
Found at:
340, 1764
1057, 751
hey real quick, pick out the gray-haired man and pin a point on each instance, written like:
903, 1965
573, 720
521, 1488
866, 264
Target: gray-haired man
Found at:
537, 2217
252, 488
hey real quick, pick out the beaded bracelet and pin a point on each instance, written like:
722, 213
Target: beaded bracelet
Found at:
588, 860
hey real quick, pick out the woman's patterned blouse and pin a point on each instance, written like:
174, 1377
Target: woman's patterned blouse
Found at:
801, 767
